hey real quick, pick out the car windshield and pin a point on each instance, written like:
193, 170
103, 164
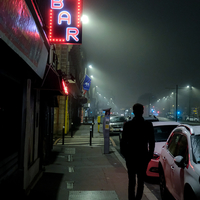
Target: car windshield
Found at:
195, 139
117, 119
162, 133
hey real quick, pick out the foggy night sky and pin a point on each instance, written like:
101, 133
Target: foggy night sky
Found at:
142, 47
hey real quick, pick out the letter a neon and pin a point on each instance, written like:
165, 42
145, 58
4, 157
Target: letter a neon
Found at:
72, 32
61, 18
57, 4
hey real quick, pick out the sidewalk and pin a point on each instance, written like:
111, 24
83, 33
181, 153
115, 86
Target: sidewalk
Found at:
78, 171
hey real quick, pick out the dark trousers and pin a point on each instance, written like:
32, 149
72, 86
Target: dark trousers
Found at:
133, 170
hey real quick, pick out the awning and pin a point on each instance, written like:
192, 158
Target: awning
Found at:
52, 82
53, 85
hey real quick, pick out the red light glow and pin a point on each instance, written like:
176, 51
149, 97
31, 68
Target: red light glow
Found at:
65, 87
79, 20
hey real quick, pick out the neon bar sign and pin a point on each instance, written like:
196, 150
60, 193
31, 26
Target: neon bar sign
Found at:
65, 21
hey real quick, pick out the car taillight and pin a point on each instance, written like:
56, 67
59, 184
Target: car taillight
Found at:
156, 156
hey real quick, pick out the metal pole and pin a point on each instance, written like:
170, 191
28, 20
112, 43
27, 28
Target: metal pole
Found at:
189, 112
176, 101
90, 135
63, 135
72, 129
92, 129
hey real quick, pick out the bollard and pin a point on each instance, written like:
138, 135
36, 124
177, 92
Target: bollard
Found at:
99, 121
63, 135
92, 129
72, 129
90, 135
98, 127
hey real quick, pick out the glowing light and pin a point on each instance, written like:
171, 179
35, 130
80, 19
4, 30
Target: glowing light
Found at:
57, 4
79, 19
65, 87
72, 32
61, 18
65, 21
84, 19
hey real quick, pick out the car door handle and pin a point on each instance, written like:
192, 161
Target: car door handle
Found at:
164, 159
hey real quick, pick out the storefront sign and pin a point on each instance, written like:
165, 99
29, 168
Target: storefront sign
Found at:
65, 21
19, 30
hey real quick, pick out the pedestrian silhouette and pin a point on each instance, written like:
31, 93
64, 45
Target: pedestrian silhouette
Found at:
137, 147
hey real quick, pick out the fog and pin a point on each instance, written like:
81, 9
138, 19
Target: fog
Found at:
140, 49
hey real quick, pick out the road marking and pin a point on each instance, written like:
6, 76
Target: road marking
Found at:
97, 195
69, 158
113, 143
71, 169
70, 185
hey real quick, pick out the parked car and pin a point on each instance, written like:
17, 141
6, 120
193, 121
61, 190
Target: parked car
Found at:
150, 118
170, 117
162, 130
116, 124
192, 119
179, 165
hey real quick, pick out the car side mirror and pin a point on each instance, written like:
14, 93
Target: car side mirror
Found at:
179, 160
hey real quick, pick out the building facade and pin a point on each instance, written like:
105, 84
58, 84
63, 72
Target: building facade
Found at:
40, 92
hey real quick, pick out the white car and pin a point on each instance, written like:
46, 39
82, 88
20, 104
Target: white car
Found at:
162, 131
179, 165
116, 124
192, 119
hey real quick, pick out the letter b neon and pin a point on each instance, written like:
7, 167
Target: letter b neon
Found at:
57, 4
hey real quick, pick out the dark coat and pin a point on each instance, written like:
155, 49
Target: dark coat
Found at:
138, 141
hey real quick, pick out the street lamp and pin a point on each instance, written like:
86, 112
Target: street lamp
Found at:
189, 109
177, 99
84, 19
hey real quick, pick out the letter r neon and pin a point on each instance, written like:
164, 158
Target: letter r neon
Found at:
57, 4
72, 32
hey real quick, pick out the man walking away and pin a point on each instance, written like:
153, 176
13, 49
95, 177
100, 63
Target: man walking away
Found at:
137, 146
